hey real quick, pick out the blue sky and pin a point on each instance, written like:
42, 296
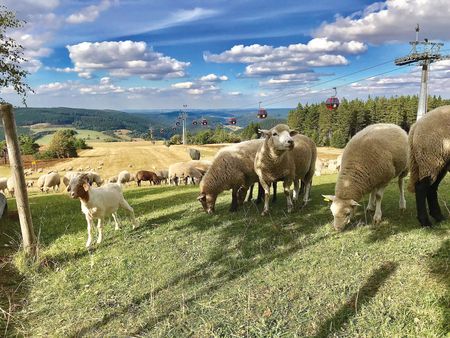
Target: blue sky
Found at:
132, 54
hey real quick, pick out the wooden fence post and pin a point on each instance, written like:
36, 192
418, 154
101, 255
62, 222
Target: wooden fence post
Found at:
20, 189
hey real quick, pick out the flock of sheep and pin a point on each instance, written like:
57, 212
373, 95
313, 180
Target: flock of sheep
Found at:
372, 158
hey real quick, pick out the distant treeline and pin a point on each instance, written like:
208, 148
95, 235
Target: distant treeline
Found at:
335, 128
99, 120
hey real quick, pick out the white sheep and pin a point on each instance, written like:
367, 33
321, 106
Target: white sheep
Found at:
232, 168
183, 171
287, 156
113, 179
10, 184
30, 183
429, 144
371, 159
50, 180
98, 203
124, 177
93, 177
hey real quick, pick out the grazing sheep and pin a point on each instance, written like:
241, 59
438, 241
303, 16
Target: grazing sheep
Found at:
288, 157
123, 177
261, 193
232, 168
200, 165
98, 203
50, 180
10, 184
319, 167
40, 170
185, 171
93, 177
144, 175
30, 183
338, 162
70, 168
194, 154
113, 179
429, 144
163, 175
3, 183
371, 159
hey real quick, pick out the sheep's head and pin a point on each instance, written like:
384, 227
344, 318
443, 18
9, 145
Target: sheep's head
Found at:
208, 202
280, 137
342, 210
79, 187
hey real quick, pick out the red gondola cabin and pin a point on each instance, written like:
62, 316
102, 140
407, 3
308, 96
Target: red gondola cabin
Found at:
232, 121
262, 113
332, 103
204, 122
194, 123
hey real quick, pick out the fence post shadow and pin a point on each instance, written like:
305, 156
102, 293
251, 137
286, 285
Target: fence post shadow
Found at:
363, 296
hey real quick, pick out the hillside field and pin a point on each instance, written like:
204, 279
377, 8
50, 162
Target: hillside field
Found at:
185, 273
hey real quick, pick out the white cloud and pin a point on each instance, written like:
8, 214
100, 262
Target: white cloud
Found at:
124, 59
90, 13
391, 21
183, 85
213, 78
275, 62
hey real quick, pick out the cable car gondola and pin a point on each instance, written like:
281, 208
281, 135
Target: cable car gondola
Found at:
262, 113
232, 121
204, 122
177, 123
161, 130
332, 103
194, 123
174, 128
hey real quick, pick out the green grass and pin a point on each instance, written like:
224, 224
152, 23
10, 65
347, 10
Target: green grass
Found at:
89, 135
185, 273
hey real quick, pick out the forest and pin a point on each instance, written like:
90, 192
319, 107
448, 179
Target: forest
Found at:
335, 128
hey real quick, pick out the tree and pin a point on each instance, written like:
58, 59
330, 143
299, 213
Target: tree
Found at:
11, 56
27, 145
63, 144
175, 139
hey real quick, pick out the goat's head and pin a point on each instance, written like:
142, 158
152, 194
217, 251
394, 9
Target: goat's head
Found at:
280, 137
79, 187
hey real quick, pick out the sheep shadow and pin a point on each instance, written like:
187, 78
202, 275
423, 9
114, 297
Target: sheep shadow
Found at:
367, 292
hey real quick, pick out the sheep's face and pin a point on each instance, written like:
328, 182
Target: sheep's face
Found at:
342, 210
280, 137
78, 187
208, 202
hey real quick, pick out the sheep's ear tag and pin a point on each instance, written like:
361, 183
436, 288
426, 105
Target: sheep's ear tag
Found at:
86, 186
328, 198
201, 197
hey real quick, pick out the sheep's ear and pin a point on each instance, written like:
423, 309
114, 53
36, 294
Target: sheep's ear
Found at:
86, 186
265, 132
354, 203
329, 198
293, 132
201, 197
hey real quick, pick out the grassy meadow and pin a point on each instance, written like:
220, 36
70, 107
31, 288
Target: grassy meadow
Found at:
184, 273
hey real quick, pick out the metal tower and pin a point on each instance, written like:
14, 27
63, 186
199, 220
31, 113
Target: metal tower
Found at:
424, 53
183, 118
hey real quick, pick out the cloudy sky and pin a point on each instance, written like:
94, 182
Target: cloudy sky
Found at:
137, 54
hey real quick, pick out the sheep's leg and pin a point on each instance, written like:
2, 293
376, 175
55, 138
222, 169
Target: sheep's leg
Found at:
116, 221
287, 193
274, 186
250, 193
100, 230
432, 198
124, 204
260, 193
90, 224
372, 198
306, 193
266, 187
378, 199
296, 190
422, 188
401, 187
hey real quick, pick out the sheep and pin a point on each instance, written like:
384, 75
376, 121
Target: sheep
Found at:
113, 179
320, 165
338, 162
144, 175
371, 159
10, 185
285, 155
30, 183
3, 205
50, 180
98, 203
93, 177
200, 165
183, 171
232, 168
3, 183
429, 157
163, 175
123, 177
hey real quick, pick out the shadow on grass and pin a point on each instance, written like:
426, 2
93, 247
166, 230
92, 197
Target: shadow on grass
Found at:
363, 296
439, 267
